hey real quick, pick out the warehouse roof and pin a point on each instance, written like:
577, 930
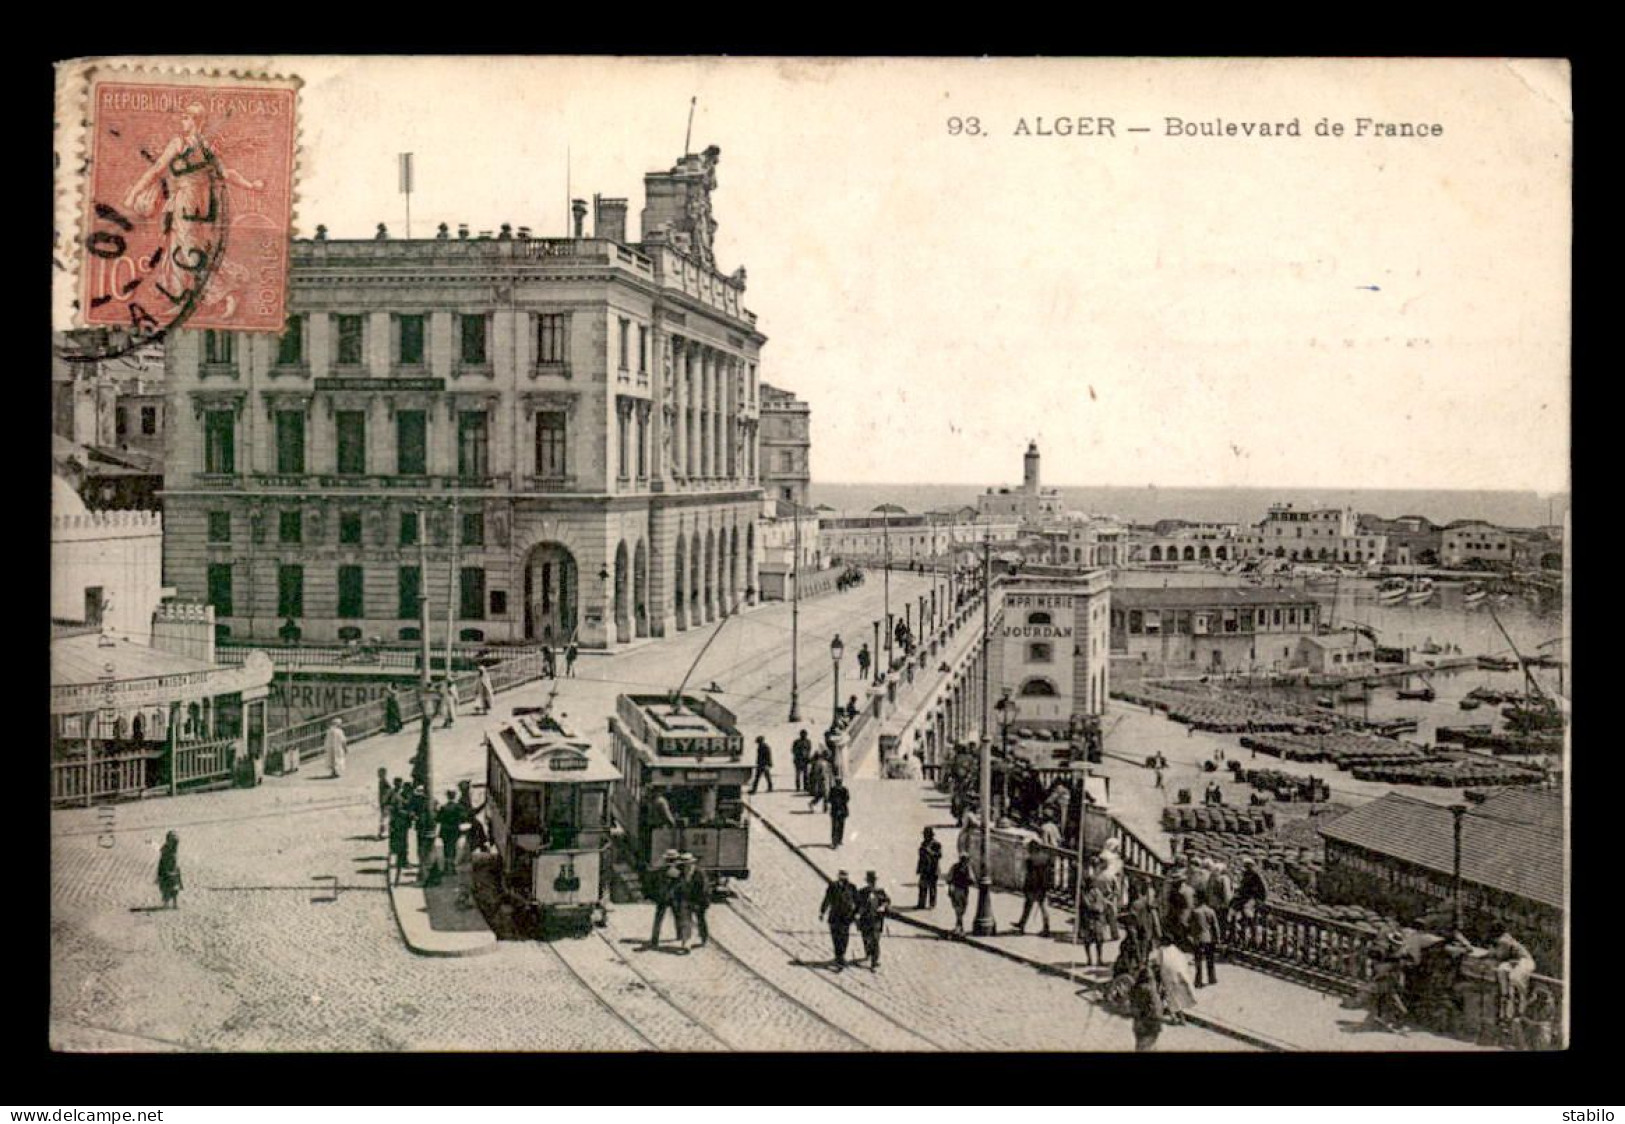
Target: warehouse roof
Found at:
1203, 597
1503, 846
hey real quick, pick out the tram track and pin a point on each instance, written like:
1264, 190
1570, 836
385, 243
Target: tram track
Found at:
598, 996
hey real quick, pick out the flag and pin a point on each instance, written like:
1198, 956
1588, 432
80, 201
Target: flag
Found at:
406, 173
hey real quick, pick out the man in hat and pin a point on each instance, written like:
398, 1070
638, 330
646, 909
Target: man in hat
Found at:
873, 904
928, 866
1203, 929
450, 819
423, 822
488, 694
801, 756
698, 887
570, 653
400, 826
1217, 894
1035, 885
336, 745
840, 906
668, 894
840, 803
960, 878
448, 701
1251, 894
764, 765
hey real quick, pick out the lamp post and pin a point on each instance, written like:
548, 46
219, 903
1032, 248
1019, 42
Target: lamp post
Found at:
880, 672
795, 617
836, 650
984, 925
1456, 810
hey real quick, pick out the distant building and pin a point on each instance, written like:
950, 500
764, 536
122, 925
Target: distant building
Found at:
1336, 653
107, 421
1314, 535
1397, 855
1212, 628
786, 445
909, 537
779, 536
1030, 505
1413, 540
1051, 652
1476, 541
106, 566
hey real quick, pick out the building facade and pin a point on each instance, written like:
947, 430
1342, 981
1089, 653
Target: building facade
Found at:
909, 537
1032, 504
575, 419
786, 445
1214, 628
1313, 535
106, 566
1050, 654
1461, 543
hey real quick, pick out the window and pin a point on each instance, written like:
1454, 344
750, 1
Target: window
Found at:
218, 348
220, 588
550, 444
290, 527
472, 589
149, 421
409, 528
643, 350
1040, 652
350, 528
411, 442
290, 346
352, 434
473, 340
411, 582
474, 530
290, 591
121, 421
1277, 618
550, 338
219, 526
643, 442
625, 335
623, 440
499, 602
473, 444
220, 441
350, 329
1038, 618
351, 601
290, 441
410, 330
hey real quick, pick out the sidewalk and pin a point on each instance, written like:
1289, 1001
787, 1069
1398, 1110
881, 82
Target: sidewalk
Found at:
883, 835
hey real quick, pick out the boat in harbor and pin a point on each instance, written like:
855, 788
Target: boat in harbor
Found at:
1473, 593
1420, 694
1497, 663
1391, 591
1459, 734
1420, 591
1395, 727
1469, 703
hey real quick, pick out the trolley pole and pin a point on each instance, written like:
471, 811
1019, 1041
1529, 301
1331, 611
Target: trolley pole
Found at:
425, 734
451, 589
795, 620
984, 925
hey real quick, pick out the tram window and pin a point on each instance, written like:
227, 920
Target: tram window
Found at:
527, 811
592, 809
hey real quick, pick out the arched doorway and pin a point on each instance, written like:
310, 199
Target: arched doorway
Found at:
640, 589
1206, 554
1156, 554
679, 585
1222, 554
696, 583
1190, 554
551, 593
623, 598
750, 557
1037, 688
734, 588
708, 574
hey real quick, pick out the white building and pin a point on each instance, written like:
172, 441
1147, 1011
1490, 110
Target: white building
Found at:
106, 566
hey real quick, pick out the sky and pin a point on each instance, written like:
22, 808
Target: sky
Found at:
1311, 311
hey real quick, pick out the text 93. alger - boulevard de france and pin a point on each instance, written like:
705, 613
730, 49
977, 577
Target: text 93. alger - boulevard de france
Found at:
970, 125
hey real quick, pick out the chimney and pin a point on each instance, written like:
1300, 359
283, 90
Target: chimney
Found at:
578, 208
609, 219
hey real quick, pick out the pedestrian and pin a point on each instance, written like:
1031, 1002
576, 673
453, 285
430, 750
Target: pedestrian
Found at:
1204, 935
550, 667
386, 793
1159, 785
392, 713
1251, 894
959, 883
698, 894
1146, 1001
169, 872
1035, 886
1178, 981
1177, 908
851, 711
488, 694
840, 803
863, 660
1514, 966
1144, 919
667, 891
570, 654
1217, 894
801, 756
764, 765
928, 866
336, 744
448, 701
477, 840
450, 819
818, 779
400, 826
1092, 922
840, 906
873, 905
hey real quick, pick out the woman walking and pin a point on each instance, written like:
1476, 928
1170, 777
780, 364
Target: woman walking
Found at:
169, 872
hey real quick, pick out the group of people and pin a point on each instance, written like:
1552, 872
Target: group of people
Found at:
818, 774
683, 889
849, 578
866, 907
405, 811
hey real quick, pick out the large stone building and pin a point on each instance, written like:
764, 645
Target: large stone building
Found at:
910, 537
786, 445
106, 566
1051, 652
1327, 534
1214, 628
1030, 505
576, 416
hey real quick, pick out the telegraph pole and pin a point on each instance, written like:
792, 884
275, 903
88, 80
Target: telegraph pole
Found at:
984, 925
885, 533
795, 620
451, 590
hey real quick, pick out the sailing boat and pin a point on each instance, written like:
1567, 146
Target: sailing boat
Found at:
1473, 593
1392, 590
1421, 590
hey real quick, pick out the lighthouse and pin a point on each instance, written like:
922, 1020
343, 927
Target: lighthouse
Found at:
1029, 475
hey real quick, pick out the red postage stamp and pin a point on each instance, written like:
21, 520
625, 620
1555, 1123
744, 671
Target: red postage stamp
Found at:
188, 202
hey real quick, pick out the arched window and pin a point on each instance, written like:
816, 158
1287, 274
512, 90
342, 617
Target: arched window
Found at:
1156, 554
1038, 689
1040, 652
1038, 618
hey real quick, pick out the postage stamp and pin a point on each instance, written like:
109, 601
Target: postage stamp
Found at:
188, 196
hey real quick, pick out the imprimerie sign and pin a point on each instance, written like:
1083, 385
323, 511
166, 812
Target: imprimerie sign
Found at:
1038, 601
379, 384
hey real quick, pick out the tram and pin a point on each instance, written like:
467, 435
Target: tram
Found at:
683, 769
548, 803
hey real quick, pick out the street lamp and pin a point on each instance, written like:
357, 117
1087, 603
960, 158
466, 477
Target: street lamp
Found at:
880, 672
836, 650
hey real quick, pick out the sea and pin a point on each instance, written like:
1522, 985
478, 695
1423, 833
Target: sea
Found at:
1224, 505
